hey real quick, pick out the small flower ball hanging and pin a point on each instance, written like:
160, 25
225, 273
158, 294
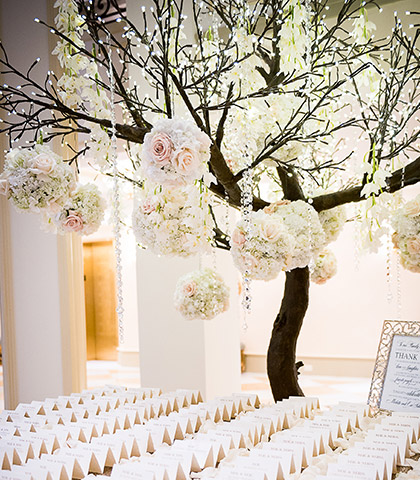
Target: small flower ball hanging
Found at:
201, 295
325, 267
175, 152
406, 237
36, 179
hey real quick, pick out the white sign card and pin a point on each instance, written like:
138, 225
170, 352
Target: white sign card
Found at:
396, 378
401, 390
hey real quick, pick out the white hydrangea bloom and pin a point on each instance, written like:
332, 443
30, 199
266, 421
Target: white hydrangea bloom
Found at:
332, 222
268, 249
201, 295
406, 237
173, 221
82, 213
303, 223
325, 267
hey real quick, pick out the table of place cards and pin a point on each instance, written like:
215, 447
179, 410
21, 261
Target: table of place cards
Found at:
142, 433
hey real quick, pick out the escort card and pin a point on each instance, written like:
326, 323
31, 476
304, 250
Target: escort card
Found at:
352, 472
135, 471
285, 459
401, 387
202, 453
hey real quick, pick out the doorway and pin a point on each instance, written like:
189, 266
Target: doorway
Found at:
100, 300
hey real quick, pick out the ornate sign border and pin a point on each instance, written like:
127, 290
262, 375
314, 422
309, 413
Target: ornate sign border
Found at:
389, 329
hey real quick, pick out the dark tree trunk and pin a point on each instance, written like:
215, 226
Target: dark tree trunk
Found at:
281, 357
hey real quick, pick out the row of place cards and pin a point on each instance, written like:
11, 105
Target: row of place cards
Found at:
142, 433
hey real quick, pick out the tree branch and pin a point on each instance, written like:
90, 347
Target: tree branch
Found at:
351, 195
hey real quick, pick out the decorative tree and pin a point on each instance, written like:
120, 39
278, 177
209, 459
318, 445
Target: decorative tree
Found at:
273, 89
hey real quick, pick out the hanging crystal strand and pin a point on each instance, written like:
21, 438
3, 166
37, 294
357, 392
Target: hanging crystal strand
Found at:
399, 300
227, 223
246, 204
356, 238
116, 201
311, 263
389, 268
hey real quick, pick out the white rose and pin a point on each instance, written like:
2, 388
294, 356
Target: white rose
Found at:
412, 208
271, 230
43, 163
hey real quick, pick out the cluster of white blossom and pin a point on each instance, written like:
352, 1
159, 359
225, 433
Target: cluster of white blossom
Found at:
35, 179
283, 236
201, 295
175, 152
325, 267
77, 85
332, 222
375, 216
406, 237
173, 221
83, 211
295, 41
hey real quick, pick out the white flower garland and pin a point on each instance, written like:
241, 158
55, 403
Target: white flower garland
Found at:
201, 295
83, 212
325, 267
175, 152
406, 238
77, 85
36, 179
173, 221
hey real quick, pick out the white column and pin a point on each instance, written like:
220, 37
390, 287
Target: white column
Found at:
43, 344
176, 353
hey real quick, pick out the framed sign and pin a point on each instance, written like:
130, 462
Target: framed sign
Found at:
396, 377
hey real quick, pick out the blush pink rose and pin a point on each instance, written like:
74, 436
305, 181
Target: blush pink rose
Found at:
272, 208
186, 161
189, 289
73, 222
148, 206
413, 245
395, 239
43, 164
4, 186
160, 149
238, 237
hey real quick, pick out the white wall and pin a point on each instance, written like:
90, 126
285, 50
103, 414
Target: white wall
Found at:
39, 346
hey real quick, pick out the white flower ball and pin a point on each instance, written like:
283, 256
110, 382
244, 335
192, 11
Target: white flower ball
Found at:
201, 295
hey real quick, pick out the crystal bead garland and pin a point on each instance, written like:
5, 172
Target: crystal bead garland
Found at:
389, 268
116, 202
399, 299
311, 264
246, 207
